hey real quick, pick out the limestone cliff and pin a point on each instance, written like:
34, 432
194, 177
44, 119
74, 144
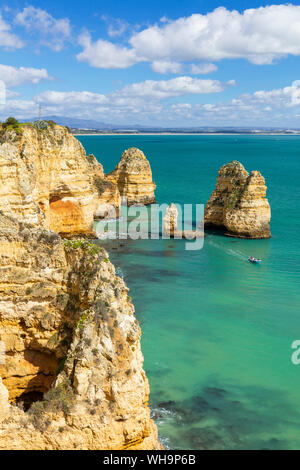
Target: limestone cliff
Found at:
133, 176
46, 179
73, 356
239, 203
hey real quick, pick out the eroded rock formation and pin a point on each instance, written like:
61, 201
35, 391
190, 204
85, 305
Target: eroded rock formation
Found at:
47, 180
170, 221
171, 229
239, 203
73, 353
109, 196
133, 176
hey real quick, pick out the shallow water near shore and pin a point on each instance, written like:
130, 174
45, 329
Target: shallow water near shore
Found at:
217, 330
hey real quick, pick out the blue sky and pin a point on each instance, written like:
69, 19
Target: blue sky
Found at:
167, 63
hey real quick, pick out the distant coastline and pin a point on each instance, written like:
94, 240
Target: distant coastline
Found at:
78, 134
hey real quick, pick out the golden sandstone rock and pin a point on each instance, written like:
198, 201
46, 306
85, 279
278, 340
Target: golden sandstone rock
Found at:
239, 203
170, 221
73, 343
47, 180
73, 355
133, 176
170, 226
110, 200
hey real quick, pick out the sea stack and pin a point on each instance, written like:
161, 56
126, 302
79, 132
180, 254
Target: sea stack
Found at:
170, 226
170, 221
133, 176
109, 200
47, 180
239, 204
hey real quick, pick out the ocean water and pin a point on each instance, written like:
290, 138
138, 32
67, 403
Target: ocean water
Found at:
217, 330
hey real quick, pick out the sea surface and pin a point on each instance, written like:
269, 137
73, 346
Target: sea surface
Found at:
217, 330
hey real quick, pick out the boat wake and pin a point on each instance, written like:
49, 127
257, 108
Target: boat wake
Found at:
229, 251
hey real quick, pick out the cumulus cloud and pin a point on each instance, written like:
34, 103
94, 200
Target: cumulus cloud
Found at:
202, 69
288, 96
155, 103
179, 86
7, 38
143, 98
262, 107
18, 108
169, 67
105, 55
147, 93
53, 32
71, 98
260, 35
116, 26
13, 76
165, 66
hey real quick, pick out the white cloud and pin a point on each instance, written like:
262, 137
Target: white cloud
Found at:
18, 108
71, 98
13, 76
179, 86
133, 96
146, 103
164, 66
11, 94
132, 101
203, 69
260, 35
8, 39
116, 26
53, 32
105, 55
259, 108
288, 96
3, 94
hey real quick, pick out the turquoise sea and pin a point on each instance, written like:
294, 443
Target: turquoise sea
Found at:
217, 330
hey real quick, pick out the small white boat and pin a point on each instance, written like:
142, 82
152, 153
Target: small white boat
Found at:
254, 260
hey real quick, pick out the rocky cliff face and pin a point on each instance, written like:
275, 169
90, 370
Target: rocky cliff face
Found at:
46, 179
133, 176
239, 203
73, 356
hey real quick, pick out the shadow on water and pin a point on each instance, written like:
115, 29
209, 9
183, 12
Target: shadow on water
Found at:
215, 418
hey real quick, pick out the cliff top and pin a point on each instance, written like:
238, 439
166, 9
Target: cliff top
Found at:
13, 131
